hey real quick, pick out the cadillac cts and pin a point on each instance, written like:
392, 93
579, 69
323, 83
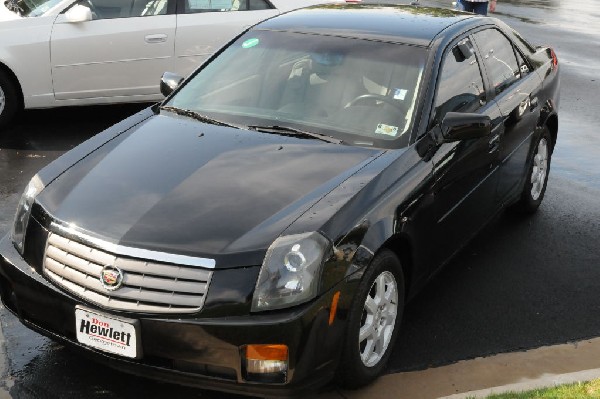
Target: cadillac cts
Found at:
261, 229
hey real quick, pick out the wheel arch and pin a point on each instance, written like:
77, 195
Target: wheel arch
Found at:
552, 125
401, 246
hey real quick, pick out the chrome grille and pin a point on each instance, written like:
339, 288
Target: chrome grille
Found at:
148, 286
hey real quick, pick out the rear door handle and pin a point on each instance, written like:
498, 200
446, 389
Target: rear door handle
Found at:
157, 38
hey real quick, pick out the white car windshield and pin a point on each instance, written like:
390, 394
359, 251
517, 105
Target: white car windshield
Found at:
35, 8
359, 91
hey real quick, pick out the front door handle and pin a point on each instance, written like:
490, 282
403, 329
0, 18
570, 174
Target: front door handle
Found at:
494, 143
533, 104
157, 38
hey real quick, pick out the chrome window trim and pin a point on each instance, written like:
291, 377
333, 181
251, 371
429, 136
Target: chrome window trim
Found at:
164, 257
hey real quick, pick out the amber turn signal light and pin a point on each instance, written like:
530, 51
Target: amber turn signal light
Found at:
265, 363
267, 352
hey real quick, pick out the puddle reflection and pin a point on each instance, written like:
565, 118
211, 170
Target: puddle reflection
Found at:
579, 16
576, 154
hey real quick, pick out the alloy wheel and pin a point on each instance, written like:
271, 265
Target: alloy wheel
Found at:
378, 319
540, 169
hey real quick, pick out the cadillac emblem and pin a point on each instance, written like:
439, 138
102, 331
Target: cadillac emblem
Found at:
111, 277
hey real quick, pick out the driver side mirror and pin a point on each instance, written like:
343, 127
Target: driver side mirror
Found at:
457, 126
78, 13
169, 82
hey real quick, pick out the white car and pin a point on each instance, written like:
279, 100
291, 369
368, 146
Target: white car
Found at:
80, 52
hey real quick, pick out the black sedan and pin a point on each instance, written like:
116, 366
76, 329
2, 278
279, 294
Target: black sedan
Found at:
261, 229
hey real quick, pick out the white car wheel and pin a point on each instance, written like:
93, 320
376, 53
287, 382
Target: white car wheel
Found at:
2, 100
9, 100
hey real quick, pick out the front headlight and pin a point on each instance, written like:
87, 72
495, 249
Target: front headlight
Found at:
24, 211
290, 272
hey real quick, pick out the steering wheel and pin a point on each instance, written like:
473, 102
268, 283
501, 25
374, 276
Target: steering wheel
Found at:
377, 97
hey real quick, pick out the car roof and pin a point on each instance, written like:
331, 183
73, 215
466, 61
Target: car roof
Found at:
409, 24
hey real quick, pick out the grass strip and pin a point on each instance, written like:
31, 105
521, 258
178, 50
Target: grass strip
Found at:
581, 390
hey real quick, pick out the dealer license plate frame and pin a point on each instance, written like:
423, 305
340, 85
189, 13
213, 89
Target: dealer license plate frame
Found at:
128, 347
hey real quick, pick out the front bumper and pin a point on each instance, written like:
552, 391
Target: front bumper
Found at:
202, 350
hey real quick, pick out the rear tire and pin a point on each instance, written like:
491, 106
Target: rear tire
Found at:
537, 175
9, 99
374, 322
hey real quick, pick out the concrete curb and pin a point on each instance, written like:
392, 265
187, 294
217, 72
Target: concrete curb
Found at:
4, 394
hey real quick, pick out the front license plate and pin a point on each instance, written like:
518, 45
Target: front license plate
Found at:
109, 334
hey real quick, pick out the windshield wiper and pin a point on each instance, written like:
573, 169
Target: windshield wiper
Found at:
292, 132
198, 117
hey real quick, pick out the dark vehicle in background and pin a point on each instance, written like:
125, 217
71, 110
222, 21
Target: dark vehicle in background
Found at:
261, 229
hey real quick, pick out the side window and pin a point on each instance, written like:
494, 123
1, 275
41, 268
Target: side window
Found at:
258, 5
143, 8
499, 58
109, 9
460, 87
195, 6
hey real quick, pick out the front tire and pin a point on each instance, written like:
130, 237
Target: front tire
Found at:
374, 322
537, 175
9, 100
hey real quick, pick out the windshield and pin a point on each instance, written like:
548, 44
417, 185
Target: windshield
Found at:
359, 91
35, 8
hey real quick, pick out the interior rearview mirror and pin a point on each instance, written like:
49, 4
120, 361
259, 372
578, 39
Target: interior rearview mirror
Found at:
463, 50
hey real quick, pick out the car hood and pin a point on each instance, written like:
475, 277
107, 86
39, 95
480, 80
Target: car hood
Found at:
175, 185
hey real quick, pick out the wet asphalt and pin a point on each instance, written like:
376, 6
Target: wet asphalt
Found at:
522, 283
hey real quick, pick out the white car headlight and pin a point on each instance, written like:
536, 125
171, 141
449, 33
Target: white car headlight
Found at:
290, 272
24, 211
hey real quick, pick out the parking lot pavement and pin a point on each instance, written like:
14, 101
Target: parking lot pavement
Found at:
480, 377
522, 284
